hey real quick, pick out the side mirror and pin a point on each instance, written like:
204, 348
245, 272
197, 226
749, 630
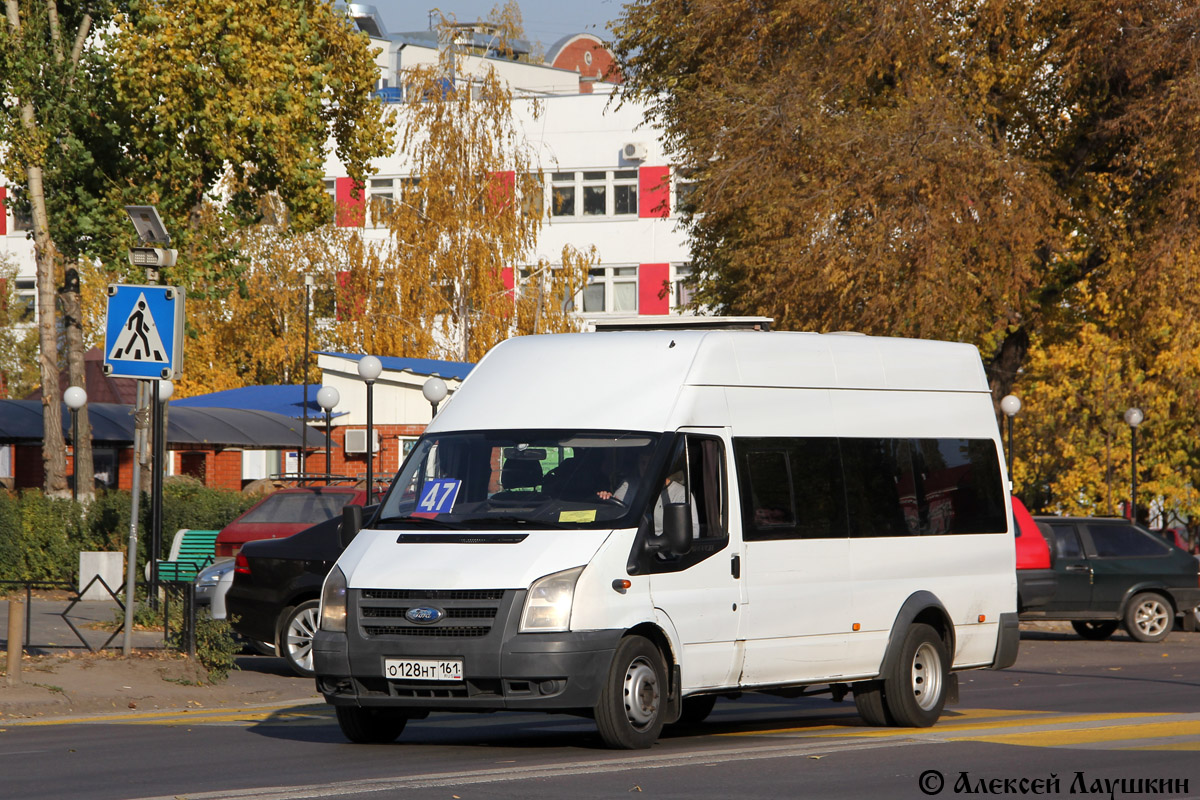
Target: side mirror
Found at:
677, 527
352, 521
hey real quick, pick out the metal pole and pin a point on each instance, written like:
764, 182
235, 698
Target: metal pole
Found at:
156, 494
75, 454
304, 430
1133, 474
1012, 456
328, 449
139, 444
370, 445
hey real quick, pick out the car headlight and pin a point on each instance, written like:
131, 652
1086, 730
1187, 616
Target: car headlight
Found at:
333, 601
210, 576
548, 605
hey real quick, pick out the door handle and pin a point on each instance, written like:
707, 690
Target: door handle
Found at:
1079, 568
735, 566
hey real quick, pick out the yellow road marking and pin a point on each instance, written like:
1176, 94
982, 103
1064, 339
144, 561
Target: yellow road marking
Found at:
180, 715
1114, 733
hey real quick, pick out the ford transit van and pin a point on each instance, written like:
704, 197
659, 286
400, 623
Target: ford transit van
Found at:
630, 525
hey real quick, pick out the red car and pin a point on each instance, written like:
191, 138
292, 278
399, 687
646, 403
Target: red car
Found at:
285, 512
1036, 581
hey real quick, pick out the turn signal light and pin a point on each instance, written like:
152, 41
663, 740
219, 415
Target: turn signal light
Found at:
241, 565
983, 617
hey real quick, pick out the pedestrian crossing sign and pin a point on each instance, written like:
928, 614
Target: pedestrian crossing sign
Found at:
143, 332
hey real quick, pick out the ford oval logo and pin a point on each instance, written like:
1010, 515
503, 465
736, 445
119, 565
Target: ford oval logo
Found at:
424, 615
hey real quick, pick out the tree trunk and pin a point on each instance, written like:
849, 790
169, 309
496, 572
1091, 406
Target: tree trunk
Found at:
1009, 359
54, 460
77, 376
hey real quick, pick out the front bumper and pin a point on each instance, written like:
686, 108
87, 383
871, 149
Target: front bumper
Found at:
502, 669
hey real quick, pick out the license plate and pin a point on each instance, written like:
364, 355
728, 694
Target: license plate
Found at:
422, 669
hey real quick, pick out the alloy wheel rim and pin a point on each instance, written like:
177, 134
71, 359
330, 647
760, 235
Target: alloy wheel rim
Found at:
300, 637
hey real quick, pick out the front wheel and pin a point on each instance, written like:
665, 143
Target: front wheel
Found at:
1149, 617
370, 725
296, 637
629, 715
915, 689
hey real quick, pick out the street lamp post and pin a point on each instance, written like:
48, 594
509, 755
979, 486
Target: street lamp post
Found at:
369, 368
1011, 406
75, 397
1133, 418
327, 398
308, 282
163, 389
435, 392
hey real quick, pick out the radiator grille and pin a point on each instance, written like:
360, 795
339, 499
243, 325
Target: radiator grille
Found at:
468, 613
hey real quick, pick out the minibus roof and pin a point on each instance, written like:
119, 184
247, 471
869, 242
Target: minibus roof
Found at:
632, 380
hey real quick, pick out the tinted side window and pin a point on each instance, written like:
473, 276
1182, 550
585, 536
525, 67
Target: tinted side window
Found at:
1115, 541
791, 488
901, 487
1066, 541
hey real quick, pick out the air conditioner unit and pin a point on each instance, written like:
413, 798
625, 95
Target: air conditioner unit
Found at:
634, 151
356, 441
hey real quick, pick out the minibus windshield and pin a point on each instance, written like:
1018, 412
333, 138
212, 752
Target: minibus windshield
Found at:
518, 479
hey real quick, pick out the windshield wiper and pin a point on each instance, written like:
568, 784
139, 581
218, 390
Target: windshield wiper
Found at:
504, 519
420, 522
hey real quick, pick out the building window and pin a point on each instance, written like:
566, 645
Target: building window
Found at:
331, 190
685, 190
611, 289
562, 194
625, 194
381, 195
682, 288
533, 201
595, 194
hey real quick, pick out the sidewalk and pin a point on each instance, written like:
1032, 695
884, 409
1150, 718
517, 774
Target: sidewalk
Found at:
61, 681
46, 631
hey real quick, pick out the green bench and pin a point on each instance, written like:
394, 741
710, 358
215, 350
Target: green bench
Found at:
191, 551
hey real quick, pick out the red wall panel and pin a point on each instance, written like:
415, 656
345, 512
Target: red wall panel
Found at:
654, 192
652, 282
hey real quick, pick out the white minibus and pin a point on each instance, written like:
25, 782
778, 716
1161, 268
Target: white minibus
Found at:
630, 525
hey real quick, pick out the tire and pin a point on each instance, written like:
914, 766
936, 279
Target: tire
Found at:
915, 691
869, 700
1096, 630
296, 637
370, 725
629, 714
1149, 617
263, 648
695, 710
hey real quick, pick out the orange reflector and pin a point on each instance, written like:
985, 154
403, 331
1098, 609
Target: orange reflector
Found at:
621, 585
983, 617
857, 626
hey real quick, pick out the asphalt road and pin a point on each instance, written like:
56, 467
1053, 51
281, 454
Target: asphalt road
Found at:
1070, 719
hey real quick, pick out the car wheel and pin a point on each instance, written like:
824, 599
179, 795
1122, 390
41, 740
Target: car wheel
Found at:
1096, 630
1149, 617
915, 691
629, 715
695, 710
263, 648
868, 699
296, 637
370, 725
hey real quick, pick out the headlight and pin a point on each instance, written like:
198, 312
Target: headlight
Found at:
333, 601
548, 606
210, 576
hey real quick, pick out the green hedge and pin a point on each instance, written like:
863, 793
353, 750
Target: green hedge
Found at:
41, 537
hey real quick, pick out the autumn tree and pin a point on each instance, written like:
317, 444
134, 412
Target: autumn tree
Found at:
466, 216
158, 105
1013, 174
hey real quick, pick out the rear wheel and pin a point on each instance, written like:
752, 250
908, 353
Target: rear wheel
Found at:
296, 637
1149, 617
1096, 630
370, 725
915, 689
629, 715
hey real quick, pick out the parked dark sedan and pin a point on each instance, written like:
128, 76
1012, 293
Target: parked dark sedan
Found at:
276, 589
1111, 572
